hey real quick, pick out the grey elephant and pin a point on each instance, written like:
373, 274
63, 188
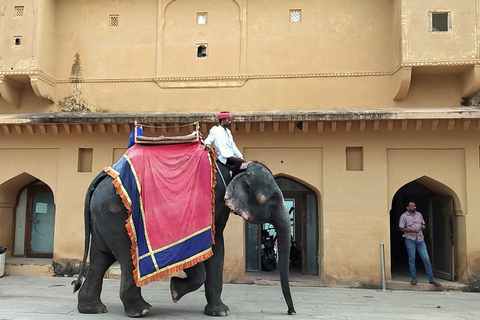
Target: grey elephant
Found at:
253, 194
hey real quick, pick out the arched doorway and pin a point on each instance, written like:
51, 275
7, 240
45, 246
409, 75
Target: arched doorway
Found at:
437, 204
302, 203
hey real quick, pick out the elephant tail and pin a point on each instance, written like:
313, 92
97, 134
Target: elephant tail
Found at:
77, 284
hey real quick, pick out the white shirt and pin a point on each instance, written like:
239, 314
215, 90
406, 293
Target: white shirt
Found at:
223, 142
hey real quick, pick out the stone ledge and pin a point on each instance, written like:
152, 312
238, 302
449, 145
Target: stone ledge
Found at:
244, 116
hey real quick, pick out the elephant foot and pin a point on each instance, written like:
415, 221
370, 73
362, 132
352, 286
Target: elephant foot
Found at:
139, 309
175, 289
181, 286
97, 307
217, 309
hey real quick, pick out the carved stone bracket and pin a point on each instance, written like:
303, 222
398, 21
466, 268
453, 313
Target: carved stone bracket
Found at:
11, 90
402, 79
471, 81
13, 83
43, 86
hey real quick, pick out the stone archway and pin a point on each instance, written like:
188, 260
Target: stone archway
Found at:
28, 216
441, 209
302, 203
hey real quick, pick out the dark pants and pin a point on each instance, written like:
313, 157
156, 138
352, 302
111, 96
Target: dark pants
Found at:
235, 164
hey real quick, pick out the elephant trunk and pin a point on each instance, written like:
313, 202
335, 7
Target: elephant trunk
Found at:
284, 241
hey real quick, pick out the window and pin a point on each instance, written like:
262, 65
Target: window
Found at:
295, 15
202, 50
439, 21
17, 41
202, 17
113, 20
19, 11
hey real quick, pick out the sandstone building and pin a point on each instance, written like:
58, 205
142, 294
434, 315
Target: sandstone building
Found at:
355, 106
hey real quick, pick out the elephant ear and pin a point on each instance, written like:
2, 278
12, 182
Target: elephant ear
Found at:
248, 175
247, 181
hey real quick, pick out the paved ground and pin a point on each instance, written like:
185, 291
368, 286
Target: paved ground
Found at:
52, 298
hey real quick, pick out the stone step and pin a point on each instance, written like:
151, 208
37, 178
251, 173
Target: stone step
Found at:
28, 267
425, 286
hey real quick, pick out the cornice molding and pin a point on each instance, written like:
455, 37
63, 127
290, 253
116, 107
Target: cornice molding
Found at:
472, 113
239, 80
442, 119
174, 128
439, 63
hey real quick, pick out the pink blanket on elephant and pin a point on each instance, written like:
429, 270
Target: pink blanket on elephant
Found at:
168, 191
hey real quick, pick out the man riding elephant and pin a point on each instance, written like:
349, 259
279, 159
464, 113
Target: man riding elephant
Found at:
221, 137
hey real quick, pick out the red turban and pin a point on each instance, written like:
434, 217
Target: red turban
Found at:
224, 115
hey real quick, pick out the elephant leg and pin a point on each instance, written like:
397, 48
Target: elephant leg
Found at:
89, 295
131, 295
181, 286
109, 215
214, 281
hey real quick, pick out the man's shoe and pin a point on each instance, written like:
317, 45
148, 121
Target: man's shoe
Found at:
413, 281
436, 283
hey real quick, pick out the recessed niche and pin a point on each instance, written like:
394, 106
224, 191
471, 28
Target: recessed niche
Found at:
354, 158
85, 159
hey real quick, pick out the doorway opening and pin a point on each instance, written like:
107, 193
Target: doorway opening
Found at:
436, 202
302, 205
34, 221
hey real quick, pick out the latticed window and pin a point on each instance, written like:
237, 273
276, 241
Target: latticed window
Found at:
19, 11
114, 20
295, 15
202, 18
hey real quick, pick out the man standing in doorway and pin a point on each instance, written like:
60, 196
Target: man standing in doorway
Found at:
412, 224
221, 137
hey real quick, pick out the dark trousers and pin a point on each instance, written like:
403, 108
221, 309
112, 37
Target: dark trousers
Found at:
235, 164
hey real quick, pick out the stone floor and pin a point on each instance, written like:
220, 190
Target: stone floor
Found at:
31, 298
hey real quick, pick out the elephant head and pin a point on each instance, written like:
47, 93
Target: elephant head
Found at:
255, 196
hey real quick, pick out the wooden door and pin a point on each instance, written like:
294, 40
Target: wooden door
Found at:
441, 237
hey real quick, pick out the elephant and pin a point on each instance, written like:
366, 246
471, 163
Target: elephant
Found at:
105, 217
